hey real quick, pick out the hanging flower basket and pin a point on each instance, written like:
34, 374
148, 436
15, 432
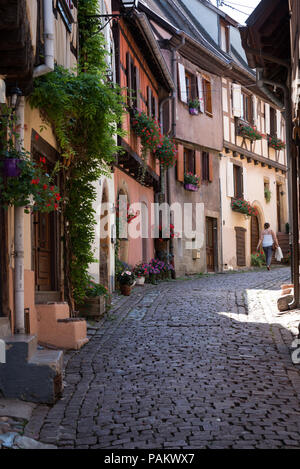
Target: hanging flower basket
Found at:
147, 129
11, 167
242, 206
276, 143
191, 187
166, 152
247, 131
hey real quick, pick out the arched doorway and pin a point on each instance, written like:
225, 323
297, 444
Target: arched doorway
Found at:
104, 273
254, 233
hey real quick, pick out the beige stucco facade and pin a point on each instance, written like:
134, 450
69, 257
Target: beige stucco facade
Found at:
260, 166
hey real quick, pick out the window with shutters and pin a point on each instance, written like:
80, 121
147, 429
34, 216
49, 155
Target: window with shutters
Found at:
205, 166
246, 107
207, 96
238, 181
152, 104
189, 161
191, 86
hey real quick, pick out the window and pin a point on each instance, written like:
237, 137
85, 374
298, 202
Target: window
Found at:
152, 105
205, 166
207, 96
224, 36
189, 161
246, 107
132, 80
273, 122
238, 181
191, 88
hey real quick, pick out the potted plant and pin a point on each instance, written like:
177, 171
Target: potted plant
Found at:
166, 152
33, 188
276, 143
191, 182
126, 280
249, 131
242, 206
141, 271
194, 106
95, 302
268, 194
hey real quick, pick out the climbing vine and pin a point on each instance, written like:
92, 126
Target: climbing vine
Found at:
85, 112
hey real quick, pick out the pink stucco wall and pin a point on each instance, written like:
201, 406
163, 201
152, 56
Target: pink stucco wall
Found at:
136, 193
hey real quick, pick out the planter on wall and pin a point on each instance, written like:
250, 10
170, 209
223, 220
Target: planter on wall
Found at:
191, 187
93, 307
193, 111
11, 167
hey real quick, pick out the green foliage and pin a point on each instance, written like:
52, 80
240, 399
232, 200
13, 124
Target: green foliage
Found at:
258, 259
85, 112
268, 194
96, 289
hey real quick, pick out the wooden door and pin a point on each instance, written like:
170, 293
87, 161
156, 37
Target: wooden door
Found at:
240, 246
278, 190
210, 245
44, 251
254, 234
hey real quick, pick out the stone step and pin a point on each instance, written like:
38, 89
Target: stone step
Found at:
20, 348
30, 374
4, 327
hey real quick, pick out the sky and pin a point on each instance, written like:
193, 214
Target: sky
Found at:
236, 8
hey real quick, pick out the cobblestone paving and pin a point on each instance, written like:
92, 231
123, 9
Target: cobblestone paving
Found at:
202, 363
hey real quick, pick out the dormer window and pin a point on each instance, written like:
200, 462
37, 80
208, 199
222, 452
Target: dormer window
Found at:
224, 36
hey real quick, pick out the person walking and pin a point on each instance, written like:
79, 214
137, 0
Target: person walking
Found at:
268, 238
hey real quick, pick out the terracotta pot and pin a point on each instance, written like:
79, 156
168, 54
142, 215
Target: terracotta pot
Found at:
125, 289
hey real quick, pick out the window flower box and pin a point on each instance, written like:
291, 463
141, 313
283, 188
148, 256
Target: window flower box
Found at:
194, 106
248, 131
191, 187
191, 182
243, 206
276, 143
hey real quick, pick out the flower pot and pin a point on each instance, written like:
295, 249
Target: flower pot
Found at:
125, 289
11, 167
193, 111
191, 187
140, 280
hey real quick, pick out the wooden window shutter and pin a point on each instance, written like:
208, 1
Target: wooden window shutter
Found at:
278, 116
208, 97
149, 100
137, 83
198, 164
211, 168
244, 192
128, 75
236, 100
156, 108
254, 110
200, 93
230, 181
267, 118
240, 246
180, 163
182, 83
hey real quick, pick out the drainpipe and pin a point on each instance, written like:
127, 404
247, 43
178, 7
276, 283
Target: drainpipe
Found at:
19, 238
48, 66
173, 132
161, 119
292, 178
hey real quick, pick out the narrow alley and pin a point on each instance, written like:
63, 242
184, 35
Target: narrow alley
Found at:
201, 363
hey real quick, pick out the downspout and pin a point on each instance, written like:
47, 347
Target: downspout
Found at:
19, 238
161, 120
173, 133
48, 66
292, 178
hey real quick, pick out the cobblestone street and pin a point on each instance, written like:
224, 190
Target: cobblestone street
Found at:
201, 363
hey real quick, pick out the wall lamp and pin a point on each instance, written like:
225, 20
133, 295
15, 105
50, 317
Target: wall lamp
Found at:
15, 94
127, 7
